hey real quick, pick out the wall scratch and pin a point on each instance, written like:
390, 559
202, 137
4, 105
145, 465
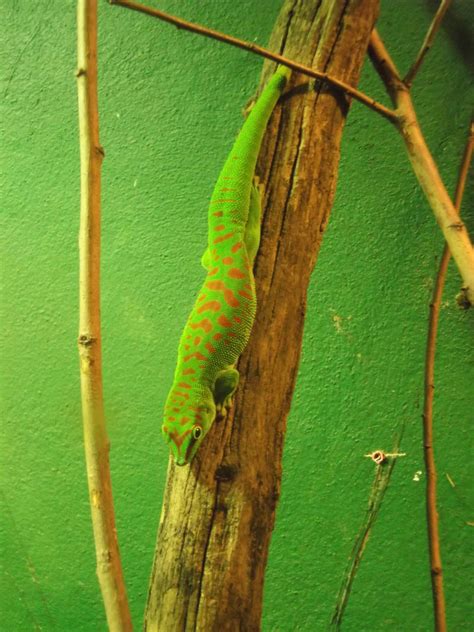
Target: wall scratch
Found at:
20, 56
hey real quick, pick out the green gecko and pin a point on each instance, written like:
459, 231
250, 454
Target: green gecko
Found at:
218, 328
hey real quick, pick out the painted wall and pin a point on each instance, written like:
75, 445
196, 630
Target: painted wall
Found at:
170, 106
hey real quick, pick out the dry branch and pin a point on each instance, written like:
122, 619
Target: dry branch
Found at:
425, 169
96, 443
427, 42
259, 50
218, 514
431, 510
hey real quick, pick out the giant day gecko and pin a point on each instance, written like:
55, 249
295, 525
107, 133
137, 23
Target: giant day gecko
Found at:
220, 322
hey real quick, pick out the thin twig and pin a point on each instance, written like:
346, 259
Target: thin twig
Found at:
259, 50
428, 41
431, 512
96, 443
425, 167
383, 474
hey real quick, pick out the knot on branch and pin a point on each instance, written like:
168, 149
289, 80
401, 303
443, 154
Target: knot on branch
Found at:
457, 226
85, 340
226, 473
462, 299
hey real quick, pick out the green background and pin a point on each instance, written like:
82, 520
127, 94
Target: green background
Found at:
170, 106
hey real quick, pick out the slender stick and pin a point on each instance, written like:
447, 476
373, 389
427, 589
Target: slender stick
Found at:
428, 41
96, 443
259, 50
424, 166
431, 511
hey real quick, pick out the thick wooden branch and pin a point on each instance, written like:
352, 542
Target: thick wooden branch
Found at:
218, 514
96, 444
425, 168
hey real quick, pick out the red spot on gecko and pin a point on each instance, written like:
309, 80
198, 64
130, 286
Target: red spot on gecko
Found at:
217, 336
178, 439
184, 420
183, 385
210, 348
197, 341
187, 347
201, 297
227, 261
232, 334
196, 355
205, 324
225, 190
213, 272
245, 294
213, 306
236, 247
237, 319
220, 227
234, 273
218, 240
229, 296
172, 418
222, 200
188, 371
185, 395
225, 322
218, 213
215, 285
230, 299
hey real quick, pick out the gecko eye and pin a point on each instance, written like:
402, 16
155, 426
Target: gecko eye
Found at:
197, 432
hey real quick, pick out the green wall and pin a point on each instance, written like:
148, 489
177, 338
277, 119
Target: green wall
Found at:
170, 106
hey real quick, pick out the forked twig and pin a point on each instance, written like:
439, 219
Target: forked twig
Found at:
259, 50
431, 512
427, 42
425, 168
96, 444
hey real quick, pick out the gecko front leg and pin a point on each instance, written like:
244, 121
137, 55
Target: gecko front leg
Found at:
226, 382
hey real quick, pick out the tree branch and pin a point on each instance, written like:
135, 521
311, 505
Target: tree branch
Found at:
427, 42
431, 511
96, 443
424, 166
259, 50
218, 514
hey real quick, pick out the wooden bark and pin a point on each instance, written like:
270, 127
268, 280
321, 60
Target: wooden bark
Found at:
218, 514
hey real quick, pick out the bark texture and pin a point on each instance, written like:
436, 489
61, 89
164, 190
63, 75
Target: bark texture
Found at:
218, 514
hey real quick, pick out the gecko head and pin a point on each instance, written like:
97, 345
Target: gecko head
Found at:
185, 431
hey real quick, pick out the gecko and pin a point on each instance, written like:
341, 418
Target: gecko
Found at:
219, 326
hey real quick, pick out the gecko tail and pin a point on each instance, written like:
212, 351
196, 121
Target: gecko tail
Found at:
283, 71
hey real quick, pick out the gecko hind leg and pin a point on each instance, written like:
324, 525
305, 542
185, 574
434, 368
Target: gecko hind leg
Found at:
206, 259
226, 382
